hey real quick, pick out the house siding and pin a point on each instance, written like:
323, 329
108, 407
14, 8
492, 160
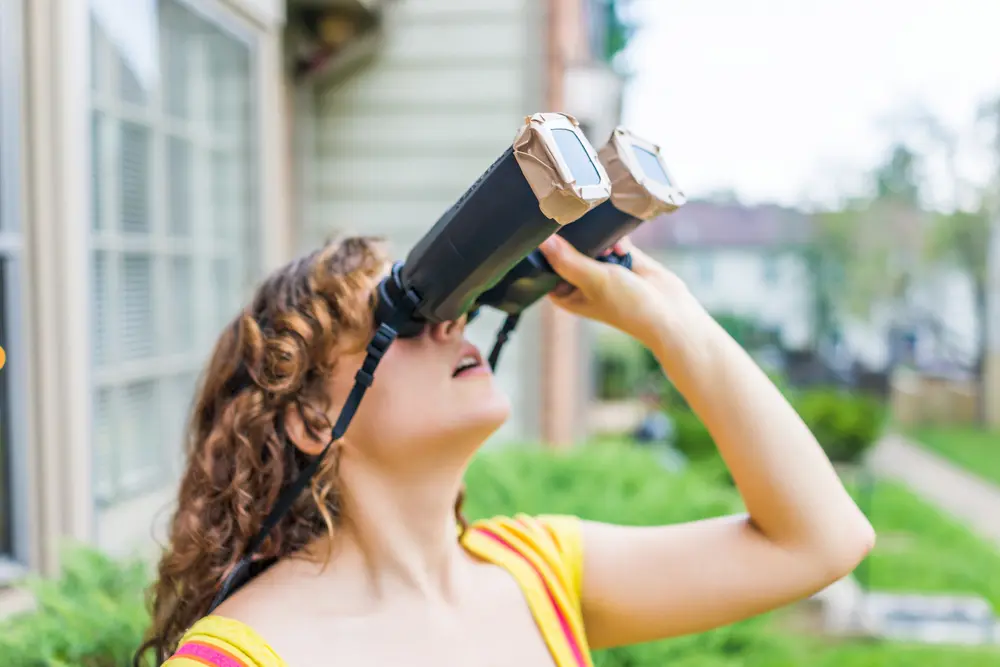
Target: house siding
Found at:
392, 146
773, 288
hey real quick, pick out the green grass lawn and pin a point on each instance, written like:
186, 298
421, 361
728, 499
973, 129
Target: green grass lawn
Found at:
889, 654
920, 549
973, 449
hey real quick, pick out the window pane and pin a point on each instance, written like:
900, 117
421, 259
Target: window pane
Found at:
141, 441
99, 317
229, 63
225, 303
132, 90
177, 42
181, 304
105, 472
179, 175
97, 169
181, 391
135, 174
137, 335
224, 194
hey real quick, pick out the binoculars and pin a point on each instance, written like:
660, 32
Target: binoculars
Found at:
483, 252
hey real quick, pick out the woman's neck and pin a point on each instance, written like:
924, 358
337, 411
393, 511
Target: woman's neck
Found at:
401, 529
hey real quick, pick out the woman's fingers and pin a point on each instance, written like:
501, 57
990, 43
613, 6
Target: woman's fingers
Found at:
572, 266
641, 262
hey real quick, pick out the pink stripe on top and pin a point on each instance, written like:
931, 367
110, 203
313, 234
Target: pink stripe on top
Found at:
563, 622
208, 654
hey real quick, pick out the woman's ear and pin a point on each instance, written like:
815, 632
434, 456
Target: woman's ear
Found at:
302, 436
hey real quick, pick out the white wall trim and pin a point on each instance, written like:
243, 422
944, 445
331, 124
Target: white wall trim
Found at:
58, 149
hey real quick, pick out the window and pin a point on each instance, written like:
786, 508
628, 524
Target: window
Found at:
706, 269
175, 235
770, 270
12, 447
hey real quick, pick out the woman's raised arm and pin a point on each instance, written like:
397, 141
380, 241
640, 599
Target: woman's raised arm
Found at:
802, 530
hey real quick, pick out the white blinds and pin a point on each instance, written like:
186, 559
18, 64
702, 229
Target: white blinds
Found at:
175, 236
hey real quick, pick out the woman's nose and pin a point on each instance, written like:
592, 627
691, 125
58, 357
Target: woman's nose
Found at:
443, 331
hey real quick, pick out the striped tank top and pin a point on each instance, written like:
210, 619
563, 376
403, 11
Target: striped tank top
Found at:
543, 554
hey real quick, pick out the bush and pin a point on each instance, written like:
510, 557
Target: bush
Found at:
614, 482
691, 437
622, 367
93, 615
846, 425
748, 332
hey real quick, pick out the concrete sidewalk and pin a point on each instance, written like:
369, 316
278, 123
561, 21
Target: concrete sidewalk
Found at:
962, 494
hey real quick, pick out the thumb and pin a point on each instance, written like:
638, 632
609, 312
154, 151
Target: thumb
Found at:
641, 262
572, 266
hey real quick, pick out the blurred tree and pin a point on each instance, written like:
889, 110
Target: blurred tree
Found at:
868, 253
865, 255
620, 27
962, 239
897, 179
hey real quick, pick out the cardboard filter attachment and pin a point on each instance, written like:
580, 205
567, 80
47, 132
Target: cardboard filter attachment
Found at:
547, 172
633, 191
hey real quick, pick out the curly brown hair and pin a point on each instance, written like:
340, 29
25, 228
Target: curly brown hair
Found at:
277, 354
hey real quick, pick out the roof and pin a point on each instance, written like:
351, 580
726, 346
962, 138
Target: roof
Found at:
702, 223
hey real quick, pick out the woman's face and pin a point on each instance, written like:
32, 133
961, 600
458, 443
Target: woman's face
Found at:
434, 397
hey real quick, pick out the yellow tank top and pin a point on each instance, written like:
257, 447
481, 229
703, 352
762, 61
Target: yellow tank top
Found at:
544, 554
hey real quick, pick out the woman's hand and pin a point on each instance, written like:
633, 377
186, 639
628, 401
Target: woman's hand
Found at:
647, 302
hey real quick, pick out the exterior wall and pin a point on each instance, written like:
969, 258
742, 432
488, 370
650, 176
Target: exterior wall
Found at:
773, 288
60, 447
395, 144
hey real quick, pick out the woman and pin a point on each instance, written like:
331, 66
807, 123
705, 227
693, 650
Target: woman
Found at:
376, 566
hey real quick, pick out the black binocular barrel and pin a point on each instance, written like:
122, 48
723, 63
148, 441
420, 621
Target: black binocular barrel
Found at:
491, 227
547, 179
533, 277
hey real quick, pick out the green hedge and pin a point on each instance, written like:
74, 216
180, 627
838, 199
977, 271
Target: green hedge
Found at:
845, 424
93, 615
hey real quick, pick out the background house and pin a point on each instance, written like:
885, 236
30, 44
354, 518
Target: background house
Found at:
157, 157
741, 260
754, 262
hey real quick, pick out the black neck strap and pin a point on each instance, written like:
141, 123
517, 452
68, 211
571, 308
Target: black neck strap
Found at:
503, 335
509, 324
377, 347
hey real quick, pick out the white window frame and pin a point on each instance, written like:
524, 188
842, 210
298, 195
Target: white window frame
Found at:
14, 562
121, 374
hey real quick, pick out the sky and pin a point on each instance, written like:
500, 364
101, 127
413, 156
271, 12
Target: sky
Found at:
791, 101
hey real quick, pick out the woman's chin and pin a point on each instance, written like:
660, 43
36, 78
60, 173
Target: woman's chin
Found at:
483, 414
